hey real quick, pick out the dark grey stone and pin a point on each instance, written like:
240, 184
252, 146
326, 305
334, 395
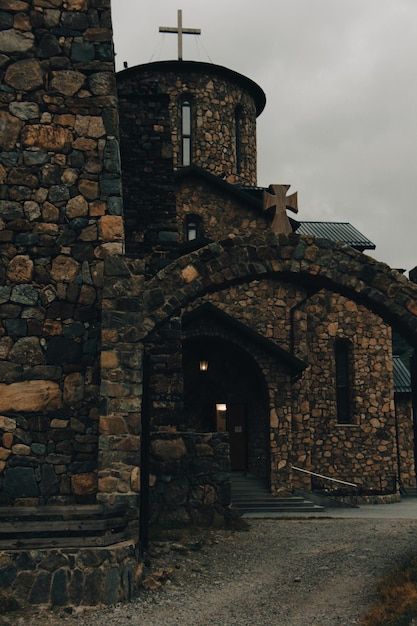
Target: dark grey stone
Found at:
111, 594
40, 589
10, 210
48, 47
62, 350
59, 593
9, 159
75, 587
82, 51
58, 193
27, 239
7, 575
19, 482
16, 328
110, 186
24, 294
6, 20
112, 156
49, 484
34, 158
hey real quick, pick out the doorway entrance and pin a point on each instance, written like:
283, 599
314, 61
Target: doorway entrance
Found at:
224, 390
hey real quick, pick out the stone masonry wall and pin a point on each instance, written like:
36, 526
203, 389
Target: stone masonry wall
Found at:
363, 451
221, 214
190, 474
60, 216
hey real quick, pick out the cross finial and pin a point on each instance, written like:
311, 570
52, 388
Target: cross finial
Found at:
277, 197
180, 31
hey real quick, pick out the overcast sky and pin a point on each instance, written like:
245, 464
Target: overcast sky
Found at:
340, 77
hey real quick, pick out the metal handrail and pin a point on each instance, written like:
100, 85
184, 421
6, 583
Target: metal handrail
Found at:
335, 480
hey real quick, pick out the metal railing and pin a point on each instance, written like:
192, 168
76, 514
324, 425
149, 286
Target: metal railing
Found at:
323, 477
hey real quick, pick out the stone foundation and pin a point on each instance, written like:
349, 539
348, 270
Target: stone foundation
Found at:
70, 577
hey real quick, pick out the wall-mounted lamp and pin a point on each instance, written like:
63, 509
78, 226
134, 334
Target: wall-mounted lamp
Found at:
221, 407
203, 366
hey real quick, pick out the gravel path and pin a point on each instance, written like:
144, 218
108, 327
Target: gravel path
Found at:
301, 572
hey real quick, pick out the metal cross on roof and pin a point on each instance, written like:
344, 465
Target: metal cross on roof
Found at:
181, 31
276, 197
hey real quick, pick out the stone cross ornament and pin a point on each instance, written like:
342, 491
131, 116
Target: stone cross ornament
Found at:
180, 31
276, 197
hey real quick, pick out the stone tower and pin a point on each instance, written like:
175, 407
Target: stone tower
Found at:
177, 114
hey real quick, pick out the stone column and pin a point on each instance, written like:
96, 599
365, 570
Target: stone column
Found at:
60, 216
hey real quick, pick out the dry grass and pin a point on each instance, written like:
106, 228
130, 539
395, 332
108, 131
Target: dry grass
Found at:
397, 598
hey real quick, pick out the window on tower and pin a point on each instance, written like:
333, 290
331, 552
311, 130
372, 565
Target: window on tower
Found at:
238, 138
186, 132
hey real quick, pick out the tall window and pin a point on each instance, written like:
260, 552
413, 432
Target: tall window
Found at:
343, 381
238, 138
186, 132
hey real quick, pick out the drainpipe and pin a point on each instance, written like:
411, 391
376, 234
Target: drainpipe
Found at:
397, 441
295, 308
413, 368
144, 507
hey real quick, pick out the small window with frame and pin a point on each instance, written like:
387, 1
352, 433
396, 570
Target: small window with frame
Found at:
193, 227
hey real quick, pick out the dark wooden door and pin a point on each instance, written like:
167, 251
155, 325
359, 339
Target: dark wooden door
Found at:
236, 427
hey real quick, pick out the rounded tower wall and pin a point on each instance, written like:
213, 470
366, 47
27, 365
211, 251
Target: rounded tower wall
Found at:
212, 114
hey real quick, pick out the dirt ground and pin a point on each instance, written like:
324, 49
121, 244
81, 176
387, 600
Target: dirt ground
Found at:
299, 572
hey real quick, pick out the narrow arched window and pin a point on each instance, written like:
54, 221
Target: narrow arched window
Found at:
186, 132
343, 381
238, 138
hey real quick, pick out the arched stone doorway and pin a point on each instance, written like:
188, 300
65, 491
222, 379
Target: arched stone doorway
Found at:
303, 260
224, 390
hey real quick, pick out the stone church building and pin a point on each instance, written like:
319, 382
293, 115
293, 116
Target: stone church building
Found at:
164, 321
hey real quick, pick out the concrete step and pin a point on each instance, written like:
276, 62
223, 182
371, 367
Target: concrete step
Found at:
251, 497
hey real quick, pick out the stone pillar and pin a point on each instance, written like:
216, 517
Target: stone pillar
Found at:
121, 381
60, 216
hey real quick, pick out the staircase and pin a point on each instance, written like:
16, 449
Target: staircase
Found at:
252, 498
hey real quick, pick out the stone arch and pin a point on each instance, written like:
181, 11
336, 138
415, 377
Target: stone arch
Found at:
300, 258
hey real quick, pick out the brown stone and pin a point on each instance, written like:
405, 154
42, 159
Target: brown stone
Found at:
111, 228
52, 327
47, 137
87, 295
112, 425
168, 450
10, 127
85, 145
76, 207
67, 82
21, 449
84, 484
50, 213
7, 423
7, 440
73, 388
6, 344
89, 189
77, 5
4, 454
25, 75
30, 396
27, 351
109, 359
20, 269
16, 41
64, 269
135, 479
